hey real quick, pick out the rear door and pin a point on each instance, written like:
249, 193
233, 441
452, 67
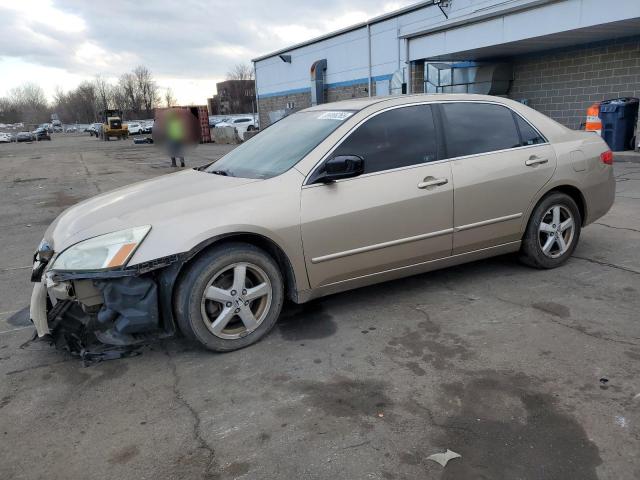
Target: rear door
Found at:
499, 162
398, 213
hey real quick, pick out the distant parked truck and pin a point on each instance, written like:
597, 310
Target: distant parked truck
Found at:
195, 117
112, 126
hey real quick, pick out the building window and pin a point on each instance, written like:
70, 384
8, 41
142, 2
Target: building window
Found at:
291, 105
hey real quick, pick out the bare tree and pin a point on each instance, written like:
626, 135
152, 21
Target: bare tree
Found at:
9, 112
119, 97
146, 88
241, 71
131, 96
77, 105
29, 102
104, 93
135, 92
169, 99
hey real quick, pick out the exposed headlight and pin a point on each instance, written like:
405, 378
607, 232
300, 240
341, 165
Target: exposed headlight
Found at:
44, 252
106, 251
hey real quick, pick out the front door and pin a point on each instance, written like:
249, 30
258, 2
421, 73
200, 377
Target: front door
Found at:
398, 213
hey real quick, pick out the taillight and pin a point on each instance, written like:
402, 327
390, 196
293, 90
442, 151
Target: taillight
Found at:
607, 157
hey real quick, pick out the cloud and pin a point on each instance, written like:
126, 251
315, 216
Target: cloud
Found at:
183, 43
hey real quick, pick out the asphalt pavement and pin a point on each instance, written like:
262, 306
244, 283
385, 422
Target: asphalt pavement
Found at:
526, 374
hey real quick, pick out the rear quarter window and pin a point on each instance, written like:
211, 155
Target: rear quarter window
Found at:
529, 135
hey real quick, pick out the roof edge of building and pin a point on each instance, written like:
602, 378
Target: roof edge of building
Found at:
372, 21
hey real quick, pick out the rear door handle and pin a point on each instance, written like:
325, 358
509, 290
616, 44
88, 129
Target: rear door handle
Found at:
535, 161
436, 182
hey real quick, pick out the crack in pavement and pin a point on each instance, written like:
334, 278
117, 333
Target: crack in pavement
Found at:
89, 176
617, 228
366, 442
197, 421
589, 334
575, 328
35, 367
605, 264
11, 269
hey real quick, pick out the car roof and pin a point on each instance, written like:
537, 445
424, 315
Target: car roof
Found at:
550, 128
362, 103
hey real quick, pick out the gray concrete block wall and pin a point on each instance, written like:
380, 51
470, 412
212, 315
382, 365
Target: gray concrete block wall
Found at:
303, 100
265, 105
348, 92
564, 83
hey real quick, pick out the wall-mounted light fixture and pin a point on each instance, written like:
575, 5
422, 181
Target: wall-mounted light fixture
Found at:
442, 4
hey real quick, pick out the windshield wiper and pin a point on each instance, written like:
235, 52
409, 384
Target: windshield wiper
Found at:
223, 173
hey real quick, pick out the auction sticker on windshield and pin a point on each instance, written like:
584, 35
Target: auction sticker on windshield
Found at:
337, 115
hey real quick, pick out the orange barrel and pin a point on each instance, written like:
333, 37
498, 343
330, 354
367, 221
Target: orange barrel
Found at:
594, 124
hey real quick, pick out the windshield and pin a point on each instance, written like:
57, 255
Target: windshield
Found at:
279, 147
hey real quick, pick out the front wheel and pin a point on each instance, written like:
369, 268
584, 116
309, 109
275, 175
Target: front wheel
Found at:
553, 232
230, 297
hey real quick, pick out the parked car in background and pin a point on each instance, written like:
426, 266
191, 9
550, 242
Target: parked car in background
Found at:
41, 134
5, 137
71, 129
94, 129
335, 197
241, 124
148, 127
57, 128
135, 128
216, 119
24, 137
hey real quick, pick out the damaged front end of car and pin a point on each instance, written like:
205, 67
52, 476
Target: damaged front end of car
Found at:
107, 312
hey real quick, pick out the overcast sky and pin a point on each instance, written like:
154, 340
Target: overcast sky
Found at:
189, 45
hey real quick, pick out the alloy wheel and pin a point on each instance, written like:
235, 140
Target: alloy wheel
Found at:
236, 300
556, 231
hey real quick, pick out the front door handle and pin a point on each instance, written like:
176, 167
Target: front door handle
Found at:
533, 160
433, 182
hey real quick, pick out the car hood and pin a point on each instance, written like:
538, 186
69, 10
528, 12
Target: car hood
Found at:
148, 202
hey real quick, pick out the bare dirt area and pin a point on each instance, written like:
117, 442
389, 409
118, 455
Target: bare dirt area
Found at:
527, 374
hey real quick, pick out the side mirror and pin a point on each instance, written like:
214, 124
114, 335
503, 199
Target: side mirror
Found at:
342, 166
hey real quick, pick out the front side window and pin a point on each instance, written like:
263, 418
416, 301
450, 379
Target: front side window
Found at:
279, 147
395, 138
474, 128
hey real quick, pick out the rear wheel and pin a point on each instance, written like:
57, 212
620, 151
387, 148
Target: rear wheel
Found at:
553, 232
230, 297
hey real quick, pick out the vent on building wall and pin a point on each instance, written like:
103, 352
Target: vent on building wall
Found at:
318, 70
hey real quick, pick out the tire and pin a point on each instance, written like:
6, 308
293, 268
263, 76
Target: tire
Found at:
219, 267
544, 230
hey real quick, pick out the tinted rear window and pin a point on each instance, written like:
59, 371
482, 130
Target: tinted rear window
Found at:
473, 128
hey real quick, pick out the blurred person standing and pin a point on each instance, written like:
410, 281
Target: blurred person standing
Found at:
175, 129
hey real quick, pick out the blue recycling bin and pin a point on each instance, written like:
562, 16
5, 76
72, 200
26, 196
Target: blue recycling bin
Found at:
619, 118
